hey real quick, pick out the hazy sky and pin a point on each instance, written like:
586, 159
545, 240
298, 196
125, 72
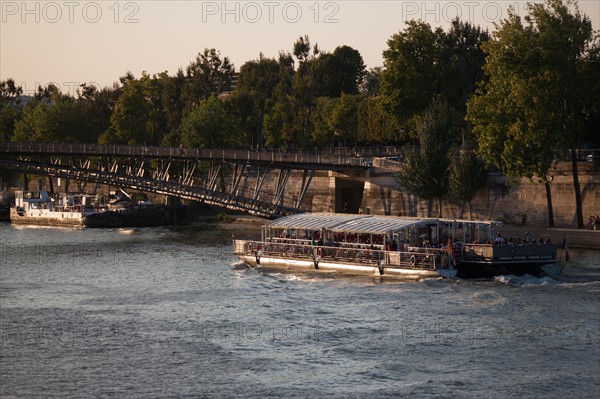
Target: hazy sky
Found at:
72, 42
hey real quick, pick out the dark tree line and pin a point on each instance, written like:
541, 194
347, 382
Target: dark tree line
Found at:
269, 102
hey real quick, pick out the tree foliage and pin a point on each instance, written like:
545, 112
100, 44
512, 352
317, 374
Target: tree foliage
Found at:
536, 93
466, 176
209, 74
425, 168
57, 119
374, 123
209, 125
422, 63
136, 117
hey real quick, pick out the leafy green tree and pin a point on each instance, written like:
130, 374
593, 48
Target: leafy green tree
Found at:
335, 119
371, 83
425, 168
466, 176
9, 115
279, 124
413, 70
538, 90
255, 92
344, 118
323, 133
465, 59
10, 108
303, 91
171, 94
339, 72
98, 106
137, 117
209, 125
209, 74
421, 63
374, 124
61, 119
9, 92
273, 126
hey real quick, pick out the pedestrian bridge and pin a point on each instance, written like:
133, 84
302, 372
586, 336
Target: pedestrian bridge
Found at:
229, 178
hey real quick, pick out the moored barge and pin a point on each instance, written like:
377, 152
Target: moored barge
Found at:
68, 210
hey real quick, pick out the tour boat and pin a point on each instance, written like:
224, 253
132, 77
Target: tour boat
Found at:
395, 247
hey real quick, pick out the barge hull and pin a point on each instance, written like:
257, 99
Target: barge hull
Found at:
57, 221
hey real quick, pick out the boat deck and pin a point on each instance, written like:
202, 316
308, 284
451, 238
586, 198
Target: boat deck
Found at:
423, 258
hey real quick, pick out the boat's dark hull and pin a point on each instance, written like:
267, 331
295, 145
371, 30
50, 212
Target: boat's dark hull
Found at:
104, 219
489, 270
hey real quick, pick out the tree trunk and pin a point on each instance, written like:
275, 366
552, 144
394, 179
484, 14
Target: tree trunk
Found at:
440, 207
549, 199
577, 188
470, 211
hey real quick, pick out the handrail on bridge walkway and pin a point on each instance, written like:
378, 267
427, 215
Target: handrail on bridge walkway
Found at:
311, 161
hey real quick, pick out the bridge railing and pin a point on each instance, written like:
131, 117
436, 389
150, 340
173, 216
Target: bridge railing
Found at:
177, 152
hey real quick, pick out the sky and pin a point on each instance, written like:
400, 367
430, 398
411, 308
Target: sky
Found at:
72, 42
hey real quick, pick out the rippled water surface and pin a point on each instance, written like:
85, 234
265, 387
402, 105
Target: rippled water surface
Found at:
167, 312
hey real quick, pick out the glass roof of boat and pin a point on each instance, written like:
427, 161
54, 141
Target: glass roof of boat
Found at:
339, 222
380, 224
313, 221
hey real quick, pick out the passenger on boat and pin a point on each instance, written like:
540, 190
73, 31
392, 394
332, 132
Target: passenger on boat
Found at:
499, 239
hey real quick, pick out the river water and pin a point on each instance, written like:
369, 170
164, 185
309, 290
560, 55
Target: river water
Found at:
167, 312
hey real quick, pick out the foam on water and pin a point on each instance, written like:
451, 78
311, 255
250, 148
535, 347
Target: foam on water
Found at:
525, 280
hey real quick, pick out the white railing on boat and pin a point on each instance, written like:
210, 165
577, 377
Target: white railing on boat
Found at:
417, 258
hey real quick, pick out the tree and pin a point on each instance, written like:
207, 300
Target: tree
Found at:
425, 168
171, 95
466, 176
375, 124
98, 106
465, 60
339, 72
421, 63
303, 91
207, 75
371, 82
133, 120
537, 91
9, 115
9, 92
279, 123
344, 120
59, 119
322, 132
412, 71
257, 84
209, 125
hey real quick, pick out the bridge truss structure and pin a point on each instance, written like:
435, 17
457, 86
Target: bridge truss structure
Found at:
227, 178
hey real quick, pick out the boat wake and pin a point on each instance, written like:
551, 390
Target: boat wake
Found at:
239, 265
525, 280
